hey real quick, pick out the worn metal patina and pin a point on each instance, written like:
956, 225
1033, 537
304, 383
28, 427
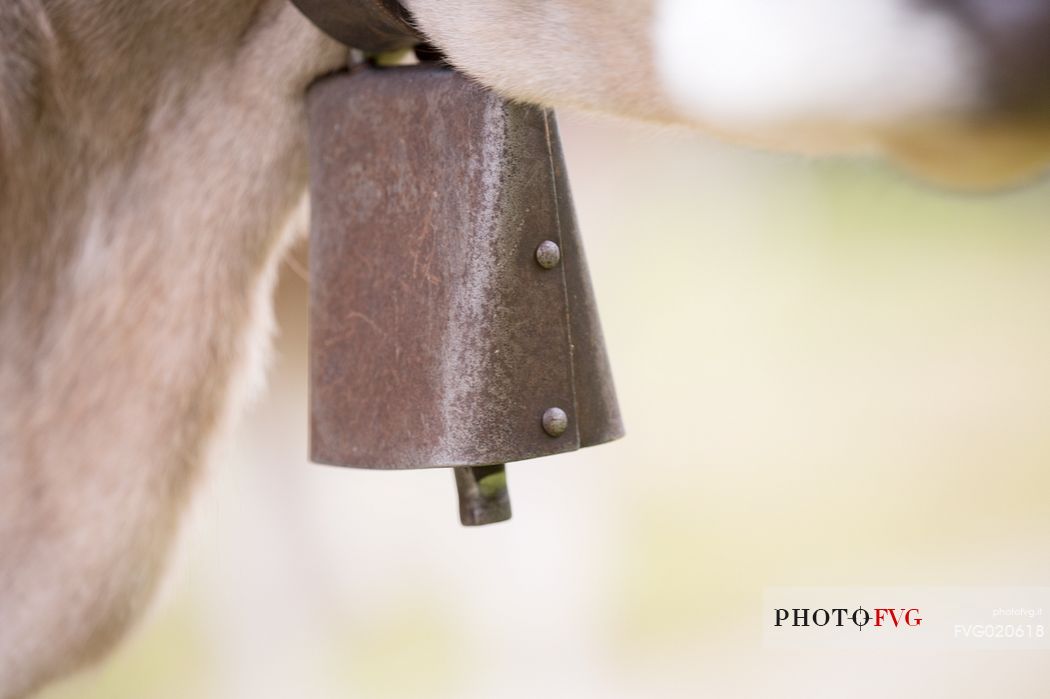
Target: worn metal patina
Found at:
452, 323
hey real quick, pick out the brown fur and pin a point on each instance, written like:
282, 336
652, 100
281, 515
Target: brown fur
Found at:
152, 154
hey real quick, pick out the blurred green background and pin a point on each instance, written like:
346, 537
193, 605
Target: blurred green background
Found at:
830, 376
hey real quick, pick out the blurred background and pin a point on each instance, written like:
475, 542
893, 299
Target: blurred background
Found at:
830, 375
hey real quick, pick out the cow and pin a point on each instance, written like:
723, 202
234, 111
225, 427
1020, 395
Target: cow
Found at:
152, 175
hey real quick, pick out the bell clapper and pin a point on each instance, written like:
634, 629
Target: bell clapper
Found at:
483, 495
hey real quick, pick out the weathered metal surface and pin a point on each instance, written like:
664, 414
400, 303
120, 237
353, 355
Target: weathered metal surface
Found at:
436, 338
597, 412
370, 25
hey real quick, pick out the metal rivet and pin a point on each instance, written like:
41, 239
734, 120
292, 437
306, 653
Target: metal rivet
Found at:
555, 422
548, 254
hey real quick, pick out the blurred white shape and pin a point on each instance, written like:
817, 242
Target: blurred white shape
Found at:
740, 63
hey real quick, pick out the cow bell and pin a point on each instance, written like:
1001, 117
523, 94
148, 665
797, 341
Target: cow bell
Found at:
452, 322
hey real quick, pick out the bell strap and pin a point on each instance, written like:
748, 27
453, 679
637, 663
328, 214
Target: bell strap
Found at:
373, 26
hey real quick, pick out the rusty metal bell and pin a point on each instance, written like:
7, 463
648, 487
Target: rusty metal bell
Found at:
452, 322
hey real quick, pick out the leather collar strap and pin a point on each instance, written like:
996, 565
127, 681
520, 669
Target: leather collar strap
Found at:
373, 26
